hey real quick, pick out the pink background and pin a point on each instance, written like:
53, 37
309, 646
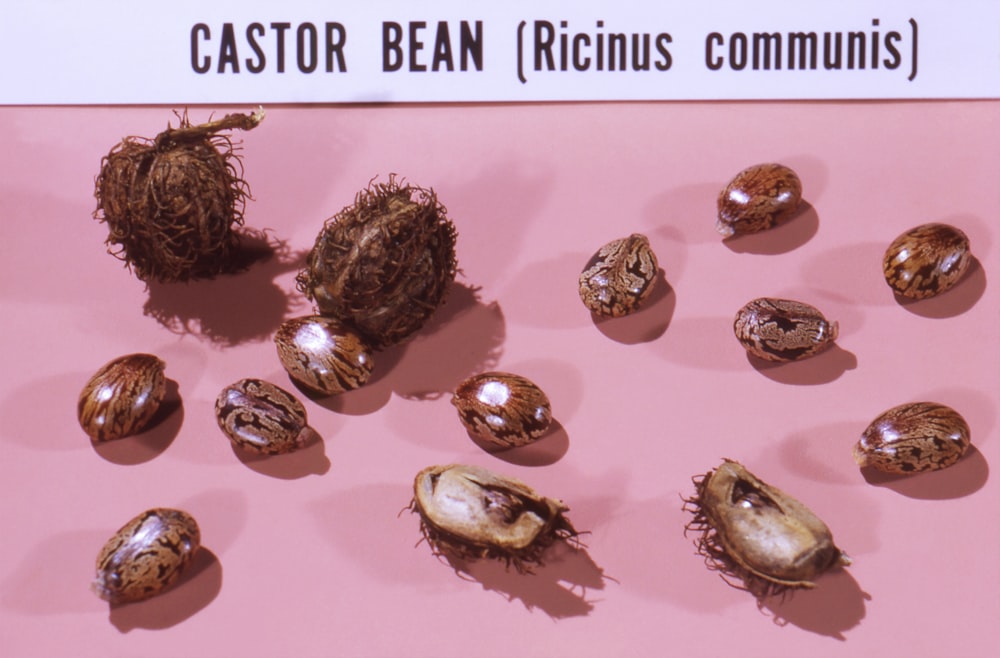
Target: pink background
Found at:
313, 554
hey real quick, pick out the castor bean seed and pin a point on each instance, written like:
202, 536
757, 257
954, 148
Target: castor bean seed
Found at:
783, 329
758, 198
468, 512
913, 437
146, 556
321, 354
755, 532
121, 398
260, 417
503, 408
926, 260
619, 276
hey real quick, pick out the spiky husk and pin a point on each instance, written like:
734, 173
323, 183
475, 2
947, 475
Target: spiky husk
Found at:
709, 546
384, 264
171, 203
448, 545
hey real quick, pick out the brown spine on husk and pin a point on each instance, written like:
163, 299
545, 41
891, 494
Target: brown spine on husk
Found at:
171, 203
384, 264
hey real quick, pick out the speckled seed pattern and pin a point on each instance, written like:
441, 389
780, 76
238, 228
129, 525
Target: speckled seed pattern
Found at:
469, 512
926, 260
751, 530
260, 417
121, 398
502, 408
619, 276
758, 198
146, 556
783, 329
322, 355
914, 437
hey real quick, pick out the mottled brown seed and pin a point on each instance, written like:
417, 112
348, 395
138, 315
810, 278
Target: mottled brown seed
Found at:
322, 355
619, 277
260, 417
503, 408
926, 260
146, 556
468, 512
755, 532
914, 437
783, 329
758, 198
122, 397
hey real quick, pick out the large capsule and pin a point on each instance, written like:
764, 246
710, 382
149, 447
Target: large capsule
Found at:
913, 437
146, 556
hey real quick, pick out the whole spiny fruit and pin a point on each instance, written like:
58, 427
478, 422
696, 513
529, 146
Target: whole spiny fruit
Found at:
384, 264
171, 203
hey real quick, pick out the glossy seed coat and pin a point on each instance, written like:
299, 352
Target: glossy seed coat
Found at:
122, 397
469, 512
926, 260
758, 198
756, 532
263, 418
502, 408
322, 355
619, 277
914, 437
783, 329
146, 556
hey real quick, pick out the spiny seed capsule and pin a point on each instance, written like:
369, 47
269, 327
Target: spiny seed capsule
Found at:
122, 397
383, 265
171, 203
758, 198
146, 556
468, 512
755, 532
503, 408
783, 329
321, 354
926, 260
619, 277
914, 437
260, 417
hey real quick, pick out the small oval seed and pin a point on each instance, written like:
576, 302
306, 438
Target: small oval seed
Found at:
619, 277
319, 353
260, 417
503, 408
926, 260
756, 532
468, 512
783, 329
914, 437
146, 556
758, 198
122, 397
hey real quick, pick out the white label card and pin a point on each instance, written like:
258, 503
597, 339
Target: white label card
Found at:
296, 51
